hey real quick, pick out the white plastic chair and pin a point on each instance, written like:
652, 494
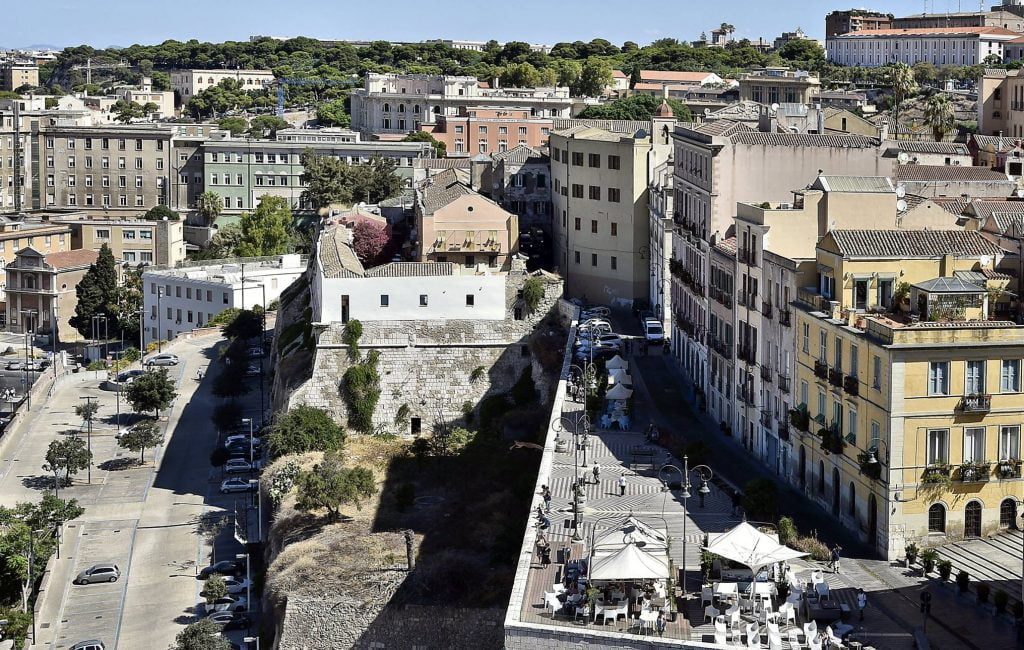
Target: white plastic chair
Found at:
721, 635
733, 614
815, 643
787, 611
773, 628
707, 595
753, 636
822, 589
774, 640
710, 613
551, 602
794, 639
810, 630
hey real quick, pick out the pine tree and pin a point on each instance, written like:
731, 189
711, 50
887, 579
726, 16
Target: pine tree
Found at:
97, 293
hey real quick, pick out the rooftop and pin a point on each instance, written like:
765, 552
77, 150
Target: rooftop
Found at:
931, 31
71, 259
854, 184
671, 75
876, 244
929, 146
338, 260
960, 173
626, 127
999, 144
231, 271
442, 190
757, 138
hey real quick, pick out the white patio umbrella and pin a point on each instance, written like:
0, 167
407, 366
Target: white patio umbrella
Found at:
749, 546
616, 362
620, 392
630, 530
630, 563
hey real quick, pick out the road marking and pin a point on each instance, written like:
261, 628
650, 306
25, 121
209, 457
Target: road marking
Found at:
124, 591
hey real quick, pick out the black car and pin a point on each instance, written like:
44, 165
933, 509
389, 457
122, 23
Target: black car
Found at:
224, 567
231, 620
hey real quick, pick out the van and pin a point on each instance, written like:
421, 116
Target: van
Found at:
653, 330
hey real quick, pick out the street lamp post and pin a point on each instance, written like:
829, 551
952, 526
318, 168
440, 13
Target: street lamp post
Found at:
249, 422
263, 334
88, 400
31, 573
29, 368
574, 424
159, 320
705, 474
248, 579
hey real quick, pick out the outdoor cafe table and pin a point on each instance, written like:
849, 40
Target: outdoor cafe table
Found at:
726, 589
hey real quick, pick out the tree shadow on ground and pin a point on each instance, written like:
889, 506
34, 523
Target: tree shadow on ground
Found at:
119, 464
39, 482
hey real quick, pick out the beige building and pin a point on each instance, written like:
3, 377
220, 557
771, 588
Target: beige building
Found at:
456, 224
144, 94
16, 75
132, 241
601, 170
44, 284
953, 181
1001, 103
778, 85
935, 45
659, 203
187, 83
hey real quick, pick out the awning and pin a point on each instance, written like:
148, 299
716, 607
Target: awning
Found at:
619, 392
616, 362
750, 547
631, 531
630, 563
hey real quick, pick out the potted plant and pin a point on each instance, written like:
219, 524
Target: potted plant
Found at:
1008, 468
591, 595
1000, 599
911, 551
928, 559
981, 589
963, 581
945, 569
1018, 610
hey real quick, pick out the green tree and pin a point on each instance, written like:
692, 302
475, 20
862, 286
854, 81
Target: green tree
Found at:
96, 293
761, 499
128, 300
214, 588
302, 429
230, 381
161, 81
149, 108
69, 455
330, 486
209, 205
246, 325
334, 113
635, 107
224, 244
160, 212
595, 76
204, 634
520, 75
236, 125
88, 410
375, 181
15, 544
327, 180
265, 231
567, 72
803, 50
127, 111
264, 126
939, 115
140, 437
152, 391
440, 148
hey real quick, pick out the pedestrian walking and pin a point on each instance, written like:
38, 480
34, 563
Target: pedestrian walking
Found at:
737, 500
862, 602
622, 485
597, 473
547, 500
835, 558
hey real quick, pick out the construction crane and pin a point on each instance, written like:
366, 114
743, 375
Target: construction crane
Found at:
314, 81
89, 67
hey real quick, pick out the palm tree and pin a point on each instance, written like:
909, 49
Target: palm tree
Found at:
727, 29
209, 206
901, 79
939, 114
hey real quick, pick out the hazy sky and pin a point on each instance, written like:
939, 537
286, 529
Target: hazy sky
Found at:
123, 22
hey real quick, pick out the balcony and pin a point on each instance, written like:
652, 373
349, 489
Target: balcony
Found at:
766, 419
974, 472
744, 353
800, 419
766, 309
783, 383
1009, 468
851, 385
782, 429
820, 369
784, 318
766, 374
975, 404
937, 473
723, 348
741, 300
835, 377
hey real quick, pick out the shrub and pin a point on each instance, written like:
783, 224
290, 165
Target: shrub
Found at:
761, 499
477, 373
98, 364
524, 391
982, 590
214, 588
928, 558
911, 550
361, 390
402, 414
787, 531
533, 292
1000, 599
963, 581
303, 429
224, 318
350, 335
405, 496
945, 569
130, 355
1018, 609
813, 546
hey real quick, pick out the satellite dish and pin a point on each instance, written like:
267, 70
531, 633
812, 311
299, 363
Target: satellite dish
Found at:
903, 158
775, 107
901, 206
901, 191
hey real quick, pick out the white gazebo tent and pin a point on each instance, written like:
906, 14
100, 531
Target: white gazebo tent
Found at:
629, 531
619, 392
630, 563
617, 362
619, 376
749, 546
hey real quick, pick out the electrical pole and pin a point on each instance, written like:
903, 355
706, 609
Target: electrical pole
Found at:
88, 400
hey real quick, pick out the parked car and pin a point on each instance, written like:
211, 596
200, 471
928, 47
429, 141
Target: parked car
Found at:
255, 352
653, 331
227, 604
15, 365
239, 466
252, 370
229, 620
128, 376
98, 573
230, 485
94, 644
242, 438
236, 585
222, 568
165, 359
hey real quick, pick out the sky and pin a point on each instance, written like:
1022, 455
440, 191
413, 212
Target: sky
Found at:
103, 23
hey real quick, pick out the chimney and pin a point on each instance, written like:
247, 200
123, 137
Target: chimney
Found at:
947, 265
664, 91
883, 131
821, 119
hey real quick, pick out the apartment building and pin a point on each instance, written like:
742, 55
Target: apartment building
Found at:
908, 404
40, 291
145, 94
659, 205
8, 150
953, 181
601, 170
928, 152
456, 224
188, 180
392, 105
181, 299
718, 165
132, 241
854, 20
101, 170
1008, 15
1001, 104
935, 45
778, 85
520, 181
14, 75
241, 170
484, 130
186, 83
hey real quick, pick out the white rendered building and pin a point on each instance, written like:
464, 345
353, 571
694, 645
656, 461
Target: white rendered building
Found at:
936, 45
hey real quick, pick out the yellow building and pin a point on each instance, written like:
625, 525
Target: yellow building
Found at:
908, 390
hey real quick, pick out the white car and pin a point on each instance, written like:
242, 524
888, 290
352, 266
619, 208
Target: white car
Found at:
602, 340
236, 485
164, 359
242, 438
227, 604
235, 585
255, 352
238, 466
653, 330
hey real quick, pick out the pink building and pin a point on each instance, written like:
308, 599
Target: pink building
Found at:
478, 129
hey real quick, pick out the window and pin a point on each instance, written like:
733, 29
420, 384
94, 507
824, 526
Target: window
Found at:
423, 300
577, 191
49, 180
120, 144
876, 373
593, 226
103, 234
595, 192
127, 234
71, 162
851, 424
577, 158
854, 366
593, 259
613, 194
384, 299
105, 162
138, 181
121, 163
822, 405
1009, 376
1009, 442
803, 393
470, 300
937, 518
615, 229
613, 162
807, 338
938, 378
615, 263
974, 444
876, 435
88, 162
224, 297
138, 144
594, 160
145, 234
839, 354
938, 446
138, 163
974, 378
577, 221
823, 346
577, 256
122, 200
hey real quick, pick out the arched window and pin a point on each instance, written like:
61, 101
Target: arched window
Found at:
210, 80
387, 108
416, 109
1008, 513
972, 519
29, 281
821, 477
437, 109
937, 518
852, 505
401, 108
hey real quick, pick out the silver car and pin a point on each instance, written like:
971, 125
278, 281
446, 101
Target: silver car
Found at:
164, 359
98, 573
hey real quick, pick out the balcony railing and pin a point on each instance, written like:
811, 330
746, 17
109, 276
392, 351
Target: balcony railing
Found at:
784, 318
744, 353
851, 385
975, 404
937, 473
743, 255
766, 419
974, 472
766, 373
800, 419
741, 299
766, 308
835, 377
782, 428
1007, 469
721, 347
783, 383
820, 369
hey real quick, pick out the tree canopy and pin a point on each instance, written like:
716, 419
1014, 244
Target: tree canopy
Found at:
440, 148
246, 324
159, 212
334, 113
302, 429
265, 231
330, 486
97, 295
69, 455
370, 240
141, 436
152, 391
635, 107
331, 180
204, 634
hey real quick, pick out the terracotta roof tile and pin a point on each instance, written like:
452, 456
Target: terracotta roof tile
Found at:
947, 173
912, 243
71, 259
